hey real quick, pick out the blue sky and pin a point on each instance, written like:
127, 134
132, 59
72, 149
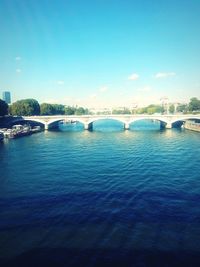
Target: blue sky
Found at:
100, 52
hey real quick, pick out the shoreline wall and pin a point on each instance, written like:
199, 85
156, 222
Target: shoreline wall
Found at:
192, 125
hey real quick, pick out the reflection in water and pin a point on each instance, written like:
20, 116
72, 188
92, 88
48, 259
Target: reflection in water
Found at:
142, 125
81, 198
110, 125
73, 127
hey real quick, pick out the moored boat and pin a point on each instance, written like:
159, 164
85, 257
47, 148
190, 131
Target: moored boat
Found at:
36, 129
19, 131
8, 133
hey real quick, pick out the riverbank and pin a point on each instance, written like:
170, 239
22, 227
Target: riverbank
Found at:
192, 125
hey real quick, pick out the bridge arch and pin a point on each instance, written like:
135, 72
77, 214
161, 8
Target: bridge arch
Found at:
91, 121
24, 120
165, 121
107, 118
54, 122
189, 117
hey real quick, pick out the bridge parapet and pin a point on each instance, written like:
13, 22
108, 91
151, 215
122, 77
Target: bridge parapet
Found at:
88, 120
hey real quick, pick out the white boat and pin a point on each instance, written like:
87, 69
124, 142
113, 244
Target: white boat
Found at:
8, 133
36, 129
18, 127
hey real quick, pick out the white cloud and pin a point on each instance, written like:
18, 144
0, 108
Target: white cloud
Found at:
60, 82
103, 89
133, 77
18, 70
164, 74
18, 58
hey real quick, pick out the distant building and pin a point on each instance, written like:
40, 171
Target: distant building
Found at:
6, 97
101, 111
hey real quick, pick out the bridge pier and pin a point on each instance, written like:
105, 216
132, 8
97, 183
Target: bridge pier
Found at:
46, 126
168, 125
126, 126
88, 126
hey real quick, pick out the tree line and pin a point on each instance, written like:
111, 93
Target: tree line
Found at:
31, 107
192, 107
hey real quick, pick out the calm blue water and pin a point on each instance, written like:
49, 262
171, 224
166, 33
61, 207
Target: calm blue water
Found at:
103, 198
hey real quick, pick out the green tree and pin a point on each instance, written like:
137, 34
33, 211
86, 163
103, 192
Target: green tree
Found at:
25, 107
58, 109
3, 108
52, 109
46, 109
70, 110
194, 104
141, 110
182, 108
171, 108
121, 111
80, 111
151, 109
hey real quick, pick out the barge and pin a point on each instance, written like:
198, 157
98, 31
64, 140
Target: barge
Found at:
19, 131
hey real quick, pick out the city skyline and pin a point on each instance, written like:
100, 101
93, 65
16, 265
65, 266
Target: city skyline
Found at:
100, 53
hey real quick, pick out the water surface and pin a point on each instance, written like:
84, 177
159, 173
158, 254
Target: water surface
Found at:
103, 198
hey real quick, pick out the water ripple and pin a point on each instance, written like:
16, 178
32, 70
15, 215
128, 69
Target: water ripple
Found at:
112, 192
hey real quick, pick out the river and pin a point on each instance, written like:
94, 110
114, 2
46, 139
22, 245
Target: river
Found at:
108, 197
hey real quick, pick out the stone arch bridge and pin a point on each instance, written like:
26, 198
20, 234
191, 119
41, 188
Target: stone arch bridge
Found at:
49, 122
